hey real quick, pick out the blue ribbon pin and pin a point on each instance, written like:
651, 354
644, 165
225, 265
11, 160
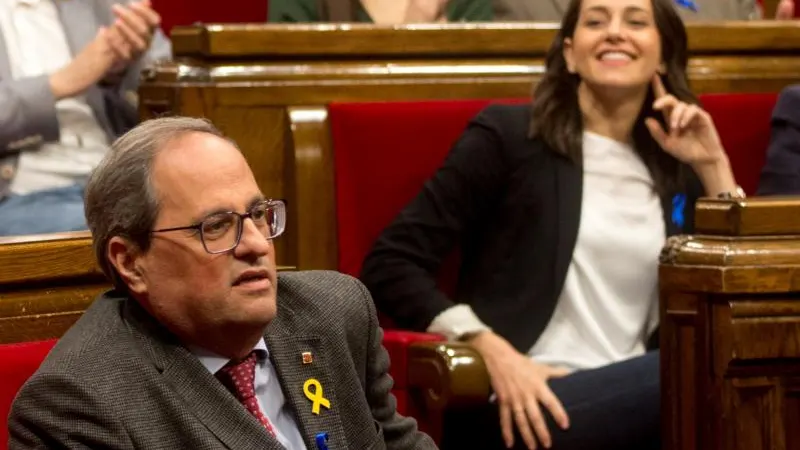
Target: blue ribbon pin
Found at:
678, 207
688, 4
322, 441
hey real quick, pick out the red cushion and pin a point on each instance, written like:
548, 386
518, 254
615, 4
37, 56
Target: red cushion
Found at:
187, 12
383, 153
743, 123
19, 362
396, 343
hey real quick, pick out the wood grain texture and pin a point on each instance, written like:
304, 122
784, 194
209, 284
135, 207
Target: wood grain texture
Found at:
250, 78
730, 336
311, 164
452, 40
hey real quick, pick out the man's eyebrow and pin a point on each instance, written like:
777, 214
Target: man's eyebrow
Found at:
605, 10
256, 200
210, 212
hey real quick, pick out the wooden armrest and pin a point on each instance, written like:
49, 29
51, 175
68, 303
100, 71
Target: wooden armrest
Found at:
448, 375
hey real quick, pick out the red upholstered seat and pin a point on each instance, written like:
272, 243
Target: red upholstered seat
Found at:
17, 363
383, 153
187, 12
743, 123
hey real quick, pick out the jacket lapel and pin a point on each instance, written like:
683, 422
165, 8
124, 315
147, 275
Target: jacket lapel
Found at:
205, 397
286, 348
569, 195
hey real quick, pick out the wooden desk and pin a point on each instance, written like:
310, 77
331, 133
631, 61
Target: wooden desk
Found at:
46, 282
730, 328
266, 86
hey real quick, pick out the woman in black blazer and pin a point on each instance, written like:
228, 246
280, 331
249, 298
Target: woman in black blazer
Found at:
559, 211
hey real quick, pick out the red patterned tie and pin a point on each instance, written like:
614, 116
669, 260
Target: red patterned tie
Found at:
239, 378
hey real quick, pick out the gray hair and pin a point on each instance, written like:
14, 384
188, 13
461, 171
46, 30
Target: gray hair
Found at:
120, 197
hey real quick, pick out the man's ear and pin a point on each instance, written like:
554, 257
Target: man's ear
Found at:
567, 52
126, 259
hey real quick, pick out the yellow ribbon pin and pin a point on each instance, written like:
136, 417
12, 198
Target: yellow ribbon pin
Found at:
316, 397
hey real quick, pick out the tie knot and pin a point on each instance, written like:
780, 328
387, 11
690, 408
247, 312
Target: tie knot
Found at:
238, 377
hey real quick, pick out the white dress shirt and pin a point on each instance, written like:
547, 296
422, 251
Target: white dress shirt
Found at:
36, 45
609, 302
268, 393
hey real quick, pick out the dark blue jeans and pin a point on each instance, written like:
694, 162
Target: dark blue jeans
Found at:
613, 407
47, 211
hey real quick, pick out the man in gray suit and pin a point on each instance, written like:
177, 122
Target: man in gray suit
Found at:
201, 344
553, 10
69, 71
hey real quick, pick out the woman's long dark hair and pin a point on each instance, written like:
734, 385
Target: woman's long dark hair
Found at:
556, 117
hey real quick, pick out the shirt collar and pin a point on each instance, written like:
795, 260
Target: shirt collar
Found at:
214, 362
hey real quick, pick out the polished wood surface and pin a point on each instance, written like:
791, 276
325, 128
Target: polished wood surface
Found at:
46, 282
267, 87
730, 328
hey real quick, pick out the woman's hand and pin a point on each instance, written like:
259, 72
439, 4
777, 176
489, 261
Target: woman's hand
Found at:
522, 389
692, 139
692, 136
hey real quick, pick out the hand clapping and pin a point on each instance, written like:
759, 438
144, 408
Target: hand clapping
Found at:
130, 34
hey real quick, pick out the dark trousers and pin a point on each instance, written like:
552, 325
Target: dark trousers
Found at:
616, 407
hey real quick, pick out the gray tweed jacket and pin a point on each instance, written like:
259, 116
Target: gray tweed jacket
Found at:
118, 380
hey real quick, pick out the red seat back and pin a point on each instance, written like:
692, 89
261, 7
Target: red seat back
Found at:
187, 12
17, 363
743, 123
384, 152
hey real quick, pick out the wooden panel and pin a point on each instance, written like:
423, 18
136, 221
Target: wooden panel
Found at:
753, 403
37, 259
770, 331
764, 216
679, 316
46, 282
746, 331
41, 312
451, 40
312, 164
242, 69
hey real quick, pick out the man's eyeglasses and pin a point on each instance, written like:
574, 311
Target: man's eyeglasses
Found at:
221, 232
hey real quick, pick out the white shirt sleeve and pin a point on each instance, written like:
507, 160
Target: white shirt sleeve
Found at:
457, 321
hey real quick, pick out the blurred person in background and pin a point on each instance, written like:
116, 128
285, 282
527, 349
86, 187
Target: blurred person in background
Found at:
69, 73
383, 12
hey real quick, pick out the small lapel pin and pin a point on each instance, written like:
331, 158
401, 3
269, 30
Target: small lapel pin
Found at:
317, 397
688, 4
322, 441
678, 207
308, 358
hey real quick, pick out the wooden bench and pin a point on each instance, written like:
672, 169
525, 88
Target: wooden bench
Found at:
269, 86
730, 328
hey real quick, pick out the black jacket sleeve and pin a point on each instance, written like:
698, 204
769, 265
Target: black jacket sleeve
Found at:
401, 269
